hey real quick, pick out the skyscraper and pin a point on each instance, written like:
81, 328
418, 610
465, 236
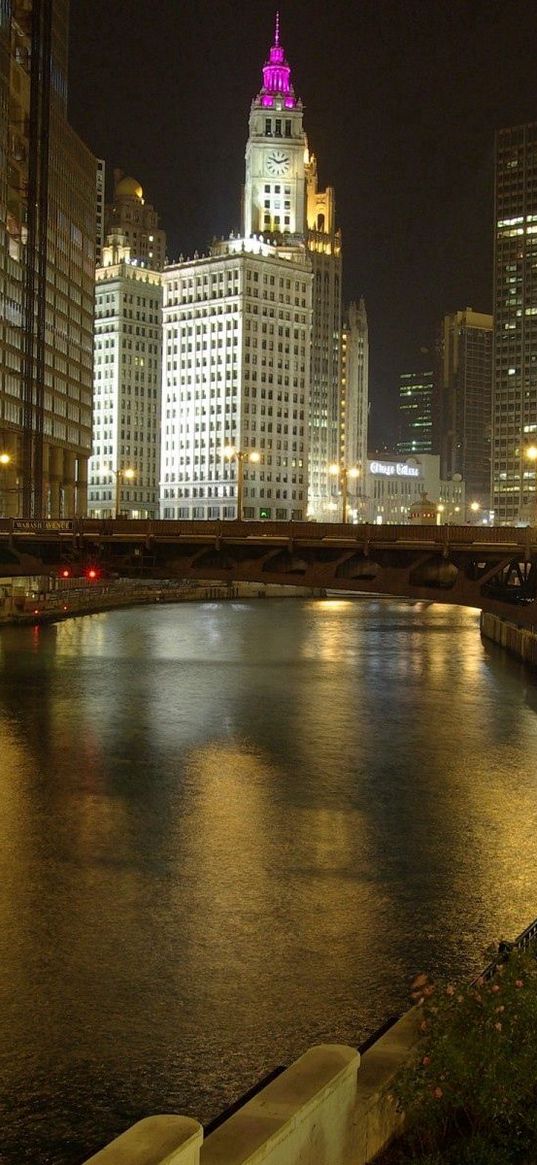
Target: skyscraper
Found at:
282, 200
464, 402
47, 247
515, 323
355, 403
416, 412
125, 462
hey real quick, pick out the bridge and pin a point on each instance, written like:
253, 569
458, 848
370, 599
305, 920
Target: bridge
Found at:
494, 569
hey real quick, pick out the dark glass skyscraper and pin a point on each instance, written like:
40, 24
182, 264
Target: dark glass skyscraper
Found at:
416, 412
464, 402
47, 269
515, 323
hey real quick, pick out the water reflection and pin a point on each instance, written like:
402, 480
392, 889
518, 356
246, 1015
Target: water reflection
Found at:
227, 832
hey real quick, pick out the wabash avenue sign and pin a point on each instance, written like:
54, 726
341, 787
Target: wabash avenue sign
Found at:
43, 525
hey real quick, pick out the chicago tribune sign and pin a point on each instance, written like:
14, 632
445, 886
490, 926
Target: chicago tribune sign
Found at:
394, 469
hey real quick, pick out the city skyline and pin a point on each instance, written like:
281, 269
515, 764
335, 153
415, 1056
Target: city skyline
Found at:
419, 90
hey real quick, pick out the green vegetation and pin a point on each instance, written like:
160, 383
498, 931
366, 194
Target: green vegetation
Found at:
470, 1098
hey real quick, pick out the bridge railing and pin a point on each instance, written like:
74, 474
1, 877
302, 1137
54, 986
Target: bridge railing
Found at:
441, 536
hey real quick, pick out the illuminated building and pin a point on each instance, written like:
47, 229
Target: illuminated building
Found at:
515, 324
464, 401
130, 215
282, 201
395, 485
416, 412
354, 403
237, 337
237, 324
127, 386
47, 249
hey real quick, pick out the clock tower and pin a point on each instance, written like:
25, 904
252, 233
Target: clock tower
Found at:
274, 193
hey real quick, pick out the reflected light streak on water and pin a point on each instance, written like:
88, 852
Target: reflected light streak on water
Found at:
229, 832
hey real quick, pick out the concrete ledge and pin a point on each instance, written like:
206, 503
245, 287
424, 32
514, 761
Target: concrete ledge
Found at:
157, 1140
376, 1119
305, 1115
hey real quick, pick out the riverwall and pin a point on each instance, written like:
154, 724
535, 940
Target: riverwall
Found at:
331, 1107
517, 641
37, 604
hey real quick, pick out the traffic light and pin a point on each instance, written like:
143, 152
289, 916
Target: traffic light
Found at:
65, 572
92, 573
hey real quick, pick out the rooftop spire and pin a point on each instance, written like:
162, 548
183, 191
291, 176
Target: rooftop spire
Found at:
277, 74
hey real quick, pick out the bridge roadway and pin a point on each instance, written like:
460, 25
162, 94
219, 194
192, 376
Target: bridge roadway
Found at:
494, 569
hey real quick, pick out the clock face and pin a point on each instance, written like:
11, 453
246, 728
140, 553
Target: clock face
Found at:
277, 163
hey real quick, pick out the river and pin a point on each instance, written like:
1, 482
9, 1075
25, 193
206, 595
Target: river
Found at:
229, 832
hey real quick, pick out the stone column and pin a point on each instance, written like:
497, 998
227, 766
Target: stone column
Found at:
55, 478
69, 485
81, 503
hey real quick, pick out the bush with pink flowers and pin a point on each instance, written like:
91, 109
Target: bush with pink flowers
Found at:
470, 1097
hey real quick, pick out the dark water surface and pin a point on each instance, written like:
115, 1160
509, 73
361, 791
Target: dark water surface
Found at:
230, 832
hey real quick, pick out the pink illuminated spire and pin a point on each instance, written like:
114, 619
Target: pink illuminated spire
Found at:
277, 74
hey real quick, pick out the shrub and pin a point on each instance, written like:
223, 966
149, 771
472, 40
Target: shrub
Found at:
470, 1097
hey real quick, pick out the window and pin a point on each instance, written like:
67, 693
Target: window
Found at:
288, 129
278, 129
268, 127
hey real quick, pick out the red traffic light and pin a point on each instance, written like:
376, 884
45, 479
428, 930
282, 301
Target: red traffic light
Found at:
92, 573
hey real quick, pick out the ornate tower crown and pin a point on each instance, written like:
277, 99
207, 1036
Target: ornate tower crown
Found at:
277, 75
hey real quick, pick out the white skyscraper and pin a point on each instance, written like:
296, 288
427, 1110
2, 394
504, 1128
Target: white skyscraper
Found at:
237, 325
281, 200
355, 406
124, 466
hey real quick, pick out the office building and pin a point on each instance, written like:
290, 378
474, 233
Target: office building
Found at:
47, 265
125, 461
514, 480
416, 412
282, 199
130, 215
237, 325
395, 486
354, 406
465, 401
240, 351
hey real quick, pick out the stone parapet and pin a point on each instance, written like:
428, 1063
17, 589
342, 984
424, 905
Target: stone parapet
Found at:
156, 1140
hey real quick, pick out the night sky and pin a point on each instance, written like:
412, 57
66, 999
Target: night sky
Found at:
402, 98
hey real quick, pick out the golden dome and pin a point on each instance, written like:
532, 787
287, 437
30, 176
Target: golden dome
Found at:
129, 188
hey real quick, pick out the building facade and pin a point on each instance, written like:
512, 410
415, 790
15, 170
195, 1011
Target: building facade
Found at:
416, 392
394, 486
354, 410
514, 481
282, 201
465, 402
134, 218
124, 468
237, 326
47, 264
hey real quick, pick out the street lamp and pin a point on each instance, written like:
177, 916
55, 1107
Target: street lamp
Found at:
343, 472
5, 460
240, 456
120, 476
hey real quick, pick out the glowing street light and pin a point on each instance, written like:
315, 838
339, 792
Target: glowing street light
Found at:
5, 460
240, 456
343, 472
121, 475
531, 453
